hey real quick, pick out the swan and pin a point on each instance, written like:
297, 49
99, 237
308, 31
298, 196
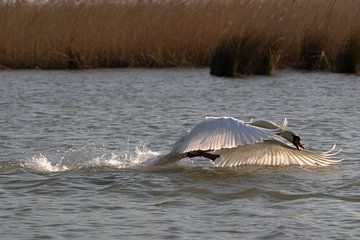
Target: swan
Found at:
230, 142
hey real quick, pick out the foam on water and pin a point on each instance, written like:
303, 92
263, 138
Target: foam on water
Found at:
124, 160
41, 163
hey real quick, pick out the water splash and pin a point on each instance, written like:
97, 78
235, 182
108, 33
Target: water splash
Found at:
76, 161
40, 163
123, 160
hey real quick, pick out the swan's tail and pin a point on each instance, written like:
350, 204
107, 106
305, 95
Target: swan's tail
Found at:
284, 125
269, 125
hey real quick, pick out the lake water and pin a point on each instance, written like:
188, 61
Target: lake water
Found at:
72, 142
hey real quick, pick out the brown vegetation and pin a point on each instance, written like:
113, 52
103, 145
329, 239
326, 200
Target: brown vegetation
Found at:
307, 34
245, 56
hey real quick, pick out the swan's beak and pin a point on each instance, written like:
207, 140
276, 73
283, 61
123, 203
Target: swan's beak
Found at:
298, 144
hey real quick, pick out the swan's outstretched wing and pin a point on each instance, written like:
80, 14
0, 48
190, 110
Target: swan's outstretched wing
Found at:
221, 133
274, 153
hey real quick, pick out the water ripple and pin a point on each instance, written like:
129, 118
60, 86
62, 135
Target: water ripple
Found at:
71, 144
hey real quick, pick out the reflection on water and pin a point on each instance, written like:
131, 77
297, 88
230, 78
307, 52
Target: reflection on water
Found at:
71, 144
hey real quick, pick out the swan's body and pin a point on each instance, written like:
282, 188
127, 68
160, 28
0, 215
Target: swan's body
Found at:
232, 142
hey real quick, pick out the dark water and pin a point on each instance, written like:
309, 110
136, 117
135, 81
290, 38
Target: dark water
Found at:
71, 144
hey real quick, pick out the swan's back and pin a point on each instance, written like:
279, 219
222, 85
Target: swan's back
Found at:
221, 133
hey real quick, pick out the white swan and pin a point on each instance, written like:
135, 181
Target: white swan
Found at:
231, 142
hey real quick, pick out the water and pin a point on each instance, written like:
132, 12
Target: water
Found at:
72, 144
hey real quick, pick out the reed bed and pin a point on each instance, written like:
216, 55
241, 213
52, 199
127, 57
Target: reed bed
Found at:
259, 36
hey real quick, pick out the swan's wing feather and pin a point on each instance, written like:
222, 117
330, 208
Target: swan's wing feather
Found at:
269, 124
221, 133
273, 152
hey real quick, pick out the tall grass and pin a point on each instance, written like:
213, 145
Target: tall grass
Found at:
245, 56
308, 34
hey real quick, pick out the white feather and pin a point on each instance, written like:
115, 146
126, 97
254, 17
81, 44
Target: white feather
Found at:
221, 133
272, 152
268, 124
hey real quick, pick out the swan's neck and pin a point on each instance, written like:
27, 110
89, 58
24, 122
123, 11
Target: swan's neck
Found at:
288, 135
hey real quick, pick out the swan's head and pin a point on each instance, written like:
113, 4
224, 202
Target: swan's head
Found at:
292, 137
296, 142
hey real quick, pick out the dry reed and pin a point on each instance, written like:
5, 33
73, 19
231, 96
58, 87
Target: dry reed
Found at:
308, 34
245, 56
